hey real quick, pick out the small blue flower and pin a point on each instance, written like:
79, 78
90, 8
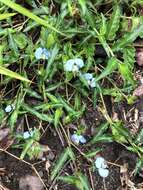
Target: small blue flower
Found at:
100, 162
27, 134
9, 108
103, 172
74, 65
90, 79
101, 165
42, 53
78, 139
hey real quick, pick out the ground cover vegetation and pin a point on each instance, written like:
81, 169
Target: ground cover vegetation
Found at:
71, 94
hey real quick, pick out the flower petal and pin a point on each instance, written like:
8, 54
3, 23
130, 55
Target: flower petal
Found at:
82, 139
103, 172
26, 135
69, 65
93, 83
87, 76
46, 54
42, 53
79, 62
38, 53
8, 109
75, 138
100, 162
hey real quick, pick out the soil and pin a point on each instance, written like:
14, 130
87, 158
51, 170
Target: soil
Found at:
116, 155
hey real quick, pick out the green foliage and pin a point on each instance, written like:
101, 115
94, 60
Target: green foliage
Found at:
129, 57
113, 24
29, 14
128, 38
79, 180
112, 65
7, 72
101, 35
66, 155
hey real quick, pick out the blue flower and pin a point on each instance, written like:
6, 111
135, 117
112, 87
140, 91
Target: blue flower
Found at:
103, 172
27, 134
78, 139
42, 53
74, 65
101, 165
90, 79
100, 162
9, 108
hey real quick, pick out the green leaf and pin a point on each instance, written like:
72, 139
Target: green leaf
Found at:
51, 61
139, 137
27, 147
129, 56
21, 40
93, 153
29, 14
60, 163
83, 5
120, 133
126, 73
103, 27
12, 74
58, 115
113, 24
84, 181
128, 38
111, 66
6, 15
41, 116
104, 138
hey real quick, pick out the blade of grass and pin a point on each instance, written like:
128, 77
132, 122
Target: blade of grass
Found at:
29, 14
6, 15
12, 74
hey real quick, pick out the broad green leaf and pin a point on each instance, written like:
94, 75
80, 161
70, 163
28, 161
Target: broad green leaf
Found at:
7, 72
129, 56
128, 38
6, 15
113, 24
29, 14
112, 65
41, 116
126, 73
